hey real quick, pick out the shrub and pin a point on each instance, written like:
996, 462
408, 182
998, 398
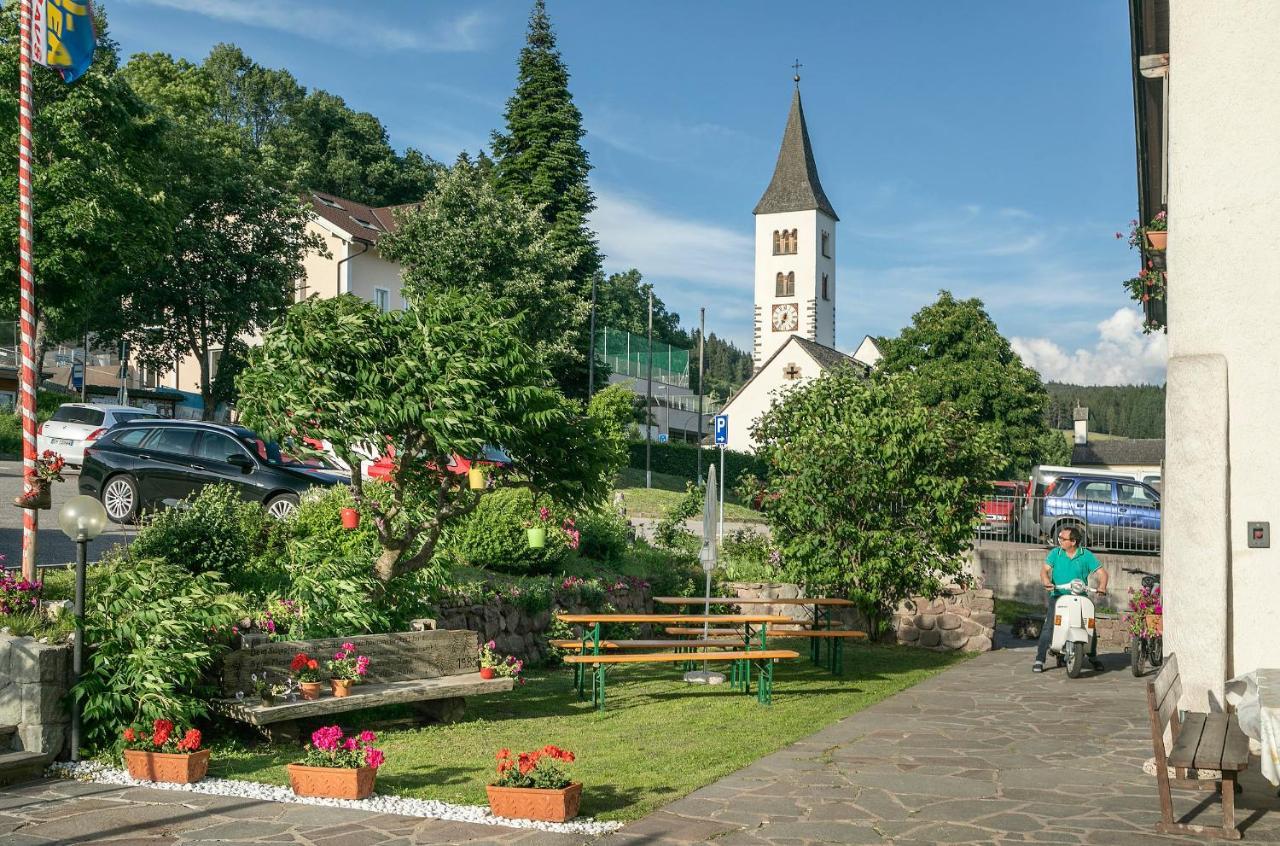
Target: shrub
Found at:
604, 535
493, 536
681, 459
748, 556
154, 631
216, 531
669, 572
670, 531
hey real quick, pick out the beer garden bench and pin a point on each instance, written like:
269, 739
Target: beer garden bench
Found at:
431, 671
1201, 741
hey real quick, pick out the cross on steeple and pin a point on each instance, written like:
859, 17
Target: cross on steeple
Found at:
797, 67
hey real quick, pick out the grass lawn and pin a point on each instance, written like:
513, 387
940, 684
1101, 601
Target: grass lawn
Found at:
658, 740
666, 492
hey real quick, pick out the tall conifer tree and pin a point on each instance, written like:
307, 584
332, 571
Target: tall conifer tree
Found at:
541, 160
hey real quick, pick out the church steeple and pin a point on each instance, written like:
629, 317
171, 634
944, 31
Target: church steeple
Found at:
795, 185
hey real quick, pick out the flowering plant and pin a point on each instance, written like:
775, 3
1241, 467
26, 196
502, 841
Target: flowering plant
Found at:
543, 517
328, 748
346, 664
305, 668
17, 595
48, 467
1159, 223
1143, 604
162, 737
508, 666
542, 769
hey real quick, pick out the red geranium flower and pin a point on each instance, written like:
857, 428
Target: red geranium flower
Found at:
299, 661
190, 741
130, 735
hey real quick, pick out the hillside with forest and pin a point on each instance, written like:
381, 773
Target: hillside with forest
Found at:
1126, 411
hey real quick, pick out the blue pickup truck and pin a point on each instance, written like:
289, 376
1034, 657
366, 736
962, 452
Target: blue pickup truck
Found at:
1118, 514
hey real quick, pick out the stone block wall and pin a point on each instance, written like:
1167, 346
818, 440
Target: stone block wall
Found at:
518, 632
34, 680
958, 620
843, 617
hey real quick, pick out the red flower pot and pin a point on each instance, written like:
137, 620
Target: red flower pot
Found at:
487, 672
332, 782
180, 768
350, 518
530, 803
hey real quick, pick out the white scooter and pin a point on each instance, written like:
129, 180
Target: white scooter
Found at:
1073, 626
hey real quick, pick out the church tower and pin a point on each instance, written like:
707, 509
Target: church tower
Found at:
795, 271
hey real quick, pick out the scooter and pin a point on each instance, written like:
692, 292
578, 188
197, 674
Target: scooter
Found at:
1073, 626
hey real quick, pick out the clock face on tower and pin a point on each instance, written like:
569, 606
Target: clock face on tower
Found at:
786, 317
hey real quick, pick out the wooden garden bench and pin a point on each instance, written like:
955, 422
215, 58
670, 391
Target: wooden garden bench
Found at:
836, 638
432, 671
763, 660
1200, 741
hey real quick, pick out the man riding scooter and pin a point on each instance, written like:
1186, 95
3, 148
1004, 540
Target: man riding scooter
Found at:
1065, 564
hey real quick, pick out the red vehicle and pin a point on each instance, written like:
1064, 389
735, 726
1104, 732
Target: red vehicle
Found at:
999, 509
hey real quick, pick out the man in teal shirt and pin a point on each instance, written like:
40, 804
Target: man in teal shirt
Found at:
1068, 562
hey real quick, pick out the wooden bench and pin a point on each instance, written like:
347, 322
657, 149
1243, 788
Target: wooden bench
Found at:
763, 660
836, 638
1200, 741
432, 671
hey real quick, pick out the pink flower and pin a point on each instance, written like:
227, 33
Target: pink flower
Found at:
348, 647
373, 757
367, 736
362, 665
350, 744
327, 738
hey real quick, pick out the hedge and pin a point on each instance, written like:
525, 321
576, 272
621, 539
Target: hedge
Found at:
681, 459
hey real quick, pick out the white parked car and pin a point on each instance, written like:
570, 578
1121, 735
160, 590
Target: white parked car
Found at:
76, 424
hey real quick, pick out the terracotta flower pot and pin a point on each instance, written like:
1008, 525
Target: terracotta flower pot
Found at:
332, 782
341, 687
181, 768
1155, 624
529, 803
537, 538
350, 518
311, 690
1157, 240
487, 672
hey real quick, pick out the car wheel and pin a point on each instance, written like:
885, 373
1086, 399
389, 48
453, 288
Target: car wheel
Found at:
282, 507
120, 499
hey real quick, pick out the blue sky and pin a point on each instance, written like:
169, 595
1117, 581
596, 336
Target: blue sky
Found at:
985, 147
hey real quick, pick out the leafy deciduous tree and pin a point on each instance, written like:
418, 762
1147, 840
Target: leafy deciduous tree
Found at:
874, 490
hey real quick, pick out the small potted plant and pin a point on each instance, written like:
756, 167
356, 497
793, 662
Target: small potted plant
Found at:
163, 754
535, 786
537, 529
306, 671
346, 669
265, 690
38, 494
1157, 231
337, 767
350, 518
493, 665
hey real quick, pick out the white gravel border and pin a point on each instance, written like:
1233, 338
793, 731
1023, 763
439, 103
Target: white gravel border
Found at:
97, 773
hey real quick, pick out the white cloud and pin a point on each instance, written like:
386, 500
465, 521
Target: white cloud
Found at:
462, 34
633, 234
1123, 354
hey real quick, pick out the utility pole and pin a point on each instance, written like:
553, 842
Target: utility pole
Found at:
702, 335
648, 408
591, 359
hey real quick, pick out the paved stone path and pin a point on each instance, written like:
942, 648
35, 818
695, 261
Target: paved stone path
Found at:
984, 753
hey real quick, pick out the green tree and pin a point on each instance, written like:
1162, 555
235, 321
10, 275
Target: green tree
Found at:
466, 236
959, 356
622, 302
874, 490
425, 384
101, 214
540, 158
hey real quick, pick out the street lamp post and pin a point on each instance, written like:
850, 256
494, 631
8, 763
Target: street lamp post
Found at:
82, 518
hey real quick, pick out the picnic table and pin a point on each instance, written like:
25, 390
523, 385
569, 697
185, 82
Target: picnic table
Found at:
820, 612
752, 627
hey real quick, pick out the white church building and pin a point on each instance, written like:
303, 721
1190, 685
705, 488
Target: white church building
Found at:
795, 285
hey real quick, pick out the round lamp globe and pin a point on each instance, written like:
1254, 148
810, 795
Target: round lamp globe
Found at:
82, 518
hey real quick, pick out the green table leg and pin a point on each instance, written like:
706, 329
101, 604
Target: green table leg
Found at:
764, 686
600, 673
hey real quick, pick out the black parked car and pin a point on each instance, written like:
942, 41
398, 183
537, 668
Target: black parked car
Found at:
145, 464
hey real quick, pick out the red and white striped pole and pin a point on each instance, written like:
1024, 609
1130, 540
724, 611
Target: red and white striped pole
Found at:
27, 384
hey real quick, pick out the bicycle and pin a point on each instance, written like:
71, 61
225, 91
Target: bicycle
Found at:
1149, 648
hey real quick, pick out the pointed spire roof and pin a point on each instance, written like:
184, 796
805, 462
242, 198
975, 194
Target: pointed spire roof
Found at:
795, 185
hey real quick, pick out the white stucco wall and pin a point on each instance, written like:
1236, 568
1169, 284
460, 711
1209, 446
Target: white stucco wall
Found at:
367, 272
1222, 462
816, 316
758, 395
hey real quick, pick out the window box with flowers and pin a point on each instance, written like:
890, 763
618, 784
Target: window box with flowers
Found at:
306, 672
347, 669
337, 767
164, 754
1150, 287
535, 786
493, 665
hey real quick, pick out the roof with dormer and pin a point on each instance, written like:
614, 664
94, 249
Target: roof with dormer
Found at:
795, 185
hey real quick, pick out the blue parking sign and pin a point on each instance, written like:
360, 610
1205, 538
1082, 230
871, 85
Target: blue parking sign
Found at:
722, 430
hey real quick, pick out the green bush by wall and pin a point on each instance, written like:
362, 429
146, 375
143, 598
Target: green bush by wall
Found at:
680, 459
